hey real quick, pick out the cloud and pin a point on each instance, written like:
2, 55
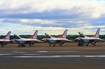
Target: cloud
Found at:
65, 23
85, 8
37, 21
49, 30
75, 15
28, 30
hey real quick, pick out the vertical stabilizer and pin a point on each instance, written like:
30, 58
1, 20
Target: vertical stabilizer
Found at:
96, 35
64, 34
34, 36
7, 36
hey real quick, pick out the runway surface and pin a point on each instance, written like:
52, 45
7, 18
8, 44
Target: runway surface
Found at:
41, 56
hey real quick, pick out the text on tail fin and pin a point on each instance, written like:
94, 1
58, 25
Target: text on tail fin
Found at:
34, 36
7, 36
97, 33
64, 34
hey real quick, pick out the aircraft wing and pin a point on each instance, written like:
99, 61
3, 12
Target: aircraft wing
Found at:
25, 40
32, 40
62, 40
4, 40
94, 39
102, 40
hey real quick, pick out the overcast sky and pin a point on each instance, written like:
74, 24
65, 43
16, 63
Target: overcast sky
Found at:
52, 16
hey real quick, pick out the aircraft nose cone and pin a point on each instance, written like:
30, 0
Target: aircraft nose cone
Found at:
42, 40
76, 39
11, 41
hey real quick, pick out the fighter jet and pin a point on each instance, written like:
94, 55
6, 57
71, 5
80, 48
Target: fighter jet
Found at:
85, 40
53, 41
23, 41
6, 39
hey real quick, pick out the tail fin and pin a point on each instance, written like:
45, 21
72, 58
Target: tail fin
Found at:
96, 35
7, 36
34, 36
64, 34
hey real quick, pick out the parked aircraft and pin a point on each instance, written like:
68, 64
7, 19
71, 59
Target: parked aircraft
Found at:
6, 39
53, 41
23, 41
85, 40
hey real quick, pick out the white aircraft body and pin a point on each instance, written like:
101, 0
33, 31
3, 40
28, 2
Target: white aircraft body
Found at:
85, 40
23, 41
6, 39
53, 41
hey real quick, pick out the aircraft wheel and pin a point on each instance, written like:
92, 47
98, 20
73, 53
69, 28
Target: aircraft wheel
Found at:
50, 44
87, 44
83, 43
94, 44
23, 45
2, 45
30, 44
80, 42
60, 45
53, 45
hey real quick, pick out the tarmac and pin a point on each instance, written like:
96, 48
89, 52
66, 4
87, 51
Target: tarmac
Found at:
41, 56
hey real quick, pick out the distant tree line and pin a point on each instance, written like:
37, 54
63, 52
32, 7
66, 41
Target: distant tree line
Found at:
43, 36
